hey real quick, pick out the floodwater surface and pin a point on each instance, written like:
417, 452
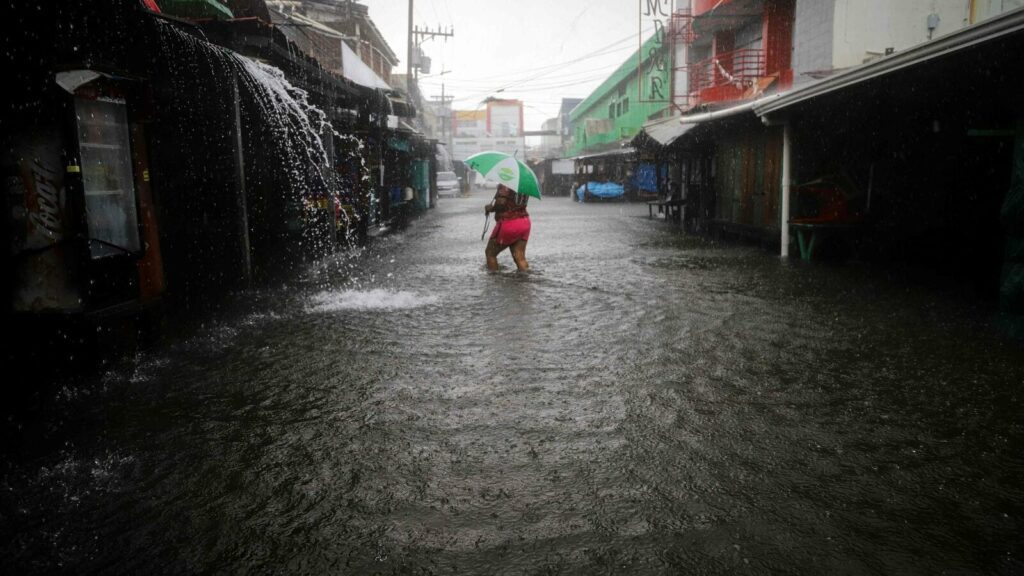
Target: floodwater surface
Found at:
642, 402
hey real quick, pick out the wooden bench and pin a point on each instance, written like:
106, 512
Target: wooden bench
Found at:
671, 208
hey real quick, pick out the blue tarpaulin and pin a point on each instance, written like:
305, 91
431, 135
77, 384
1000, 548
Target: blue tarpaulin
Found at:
645, 178
601, 190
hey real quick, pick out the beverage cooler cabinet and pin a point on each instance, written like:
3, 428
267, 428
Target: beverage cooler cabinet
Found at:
108, 189
82, 224
110, 201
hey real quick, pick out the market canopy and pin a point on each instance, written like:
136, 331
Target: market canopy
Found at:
195, 9
616, 153
354, 69
666, 130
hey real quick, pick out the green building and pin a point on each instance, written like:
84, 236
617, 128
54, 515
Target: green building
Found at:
616, 110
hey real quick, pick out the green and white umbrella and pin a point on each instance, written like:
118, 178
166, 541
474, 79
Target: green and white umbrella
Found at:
506, 169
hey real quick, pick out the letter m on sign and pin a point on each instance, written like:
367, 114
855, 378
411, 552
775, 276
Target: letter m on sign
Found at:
657, 8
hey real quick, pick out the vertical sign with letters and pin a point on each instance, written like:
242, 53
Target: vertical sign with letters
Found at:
653, 58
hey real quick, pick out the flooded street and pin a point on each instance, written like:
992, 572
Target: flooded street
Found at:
642, 402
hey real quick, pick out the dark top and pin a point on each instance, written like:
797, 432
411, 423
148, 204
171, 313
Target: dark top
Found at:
509, 205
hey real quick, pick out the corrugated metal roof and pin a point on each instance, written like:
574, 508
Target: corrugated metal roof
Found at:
309, 22
667, 130
606, 154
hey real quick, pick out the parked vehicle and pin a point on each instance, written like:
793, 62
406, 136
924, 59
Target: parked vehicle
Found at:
448, 184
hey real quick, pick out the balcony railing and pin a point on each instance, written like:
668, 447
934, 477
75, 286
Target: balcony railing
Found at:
739, 69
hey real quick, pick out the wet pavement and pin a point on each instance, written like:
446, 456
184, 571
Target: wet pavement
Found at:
642, 402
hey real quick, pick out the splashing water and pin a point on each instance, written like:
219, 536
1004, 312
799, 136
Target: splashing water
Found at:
376, 299
298, 127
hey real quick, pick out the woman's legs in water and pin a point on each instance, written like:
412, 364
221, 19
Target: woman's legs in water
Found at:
491, 252
519, 254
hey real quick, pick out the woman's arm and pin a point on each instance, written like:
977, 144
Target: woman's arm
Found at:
500, 204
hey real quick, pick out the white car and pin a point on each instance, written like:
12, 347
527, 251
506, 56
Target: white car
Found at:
447, 184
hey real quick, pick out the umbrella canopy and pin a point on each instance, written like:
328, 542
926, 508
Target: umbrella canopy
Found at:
507, 170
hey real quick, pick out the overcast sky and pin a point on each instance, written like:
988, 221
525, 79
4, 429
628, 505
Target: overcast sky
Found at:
538, 51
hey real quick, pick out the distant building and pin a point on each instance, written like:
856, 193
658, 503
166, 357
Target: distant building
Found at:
469, 123
340, 36
566, 128
550, 144
352, 20
616, 110
498, 126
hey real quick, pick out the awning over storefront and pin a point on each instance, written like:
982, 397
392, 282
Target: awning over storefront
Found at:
353, 68
610, 154
744, 108
666, 130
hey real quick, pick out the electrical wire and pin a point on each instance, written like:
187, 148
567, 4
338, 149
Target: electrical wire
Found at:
529, 88
602, 51
469, 84
525, 86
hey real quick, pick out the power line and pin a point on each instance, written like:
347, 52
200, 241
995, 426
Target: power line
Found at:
474, 83
606, 49
549, 72
522, 85
536, 88
531, 86
434, 8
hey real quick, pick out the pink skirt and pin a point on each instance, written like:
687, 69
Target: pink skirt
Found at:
508, 232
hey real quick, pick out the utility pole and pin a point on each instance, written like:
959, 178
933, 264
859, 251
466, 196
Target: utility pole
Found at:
419, 35
415, 37
408, 56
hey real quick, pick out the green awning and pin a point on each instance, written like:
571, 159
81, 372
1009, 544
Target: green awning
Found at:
195, 9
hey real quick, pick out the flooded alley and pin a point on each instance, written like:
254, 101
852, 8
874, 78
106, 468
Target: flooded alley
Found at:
642, 402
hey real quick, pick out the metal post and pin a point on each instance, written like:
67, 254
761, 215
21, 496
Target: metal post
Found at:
786, 169
408, 57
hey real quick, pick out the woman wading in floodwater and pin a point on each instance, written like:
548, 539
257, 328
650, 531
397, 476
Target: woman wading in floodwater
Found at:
511, 230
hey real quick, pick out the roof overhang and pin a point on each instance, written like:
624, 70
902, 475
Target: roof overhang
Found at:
997, 27
354, 69
727, 112
616, 153
667, 130
297, 19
